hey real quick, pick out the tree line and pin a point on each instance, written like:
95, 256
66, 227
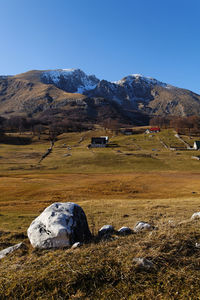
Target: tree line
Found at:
53, 127
183, 125
37, 126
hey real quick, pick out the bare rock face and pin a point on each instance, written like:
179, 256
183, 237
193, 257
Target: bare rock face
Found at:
59, 225
70, 80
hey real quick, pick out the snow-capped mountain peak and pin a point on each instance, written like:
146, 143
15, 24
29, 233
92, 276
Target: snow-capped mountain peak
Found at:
70, 80
131, 88
132, 94
139, 78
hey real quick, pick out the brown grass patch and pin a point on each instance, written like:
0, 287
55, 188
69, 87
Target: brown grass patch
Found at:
132, 191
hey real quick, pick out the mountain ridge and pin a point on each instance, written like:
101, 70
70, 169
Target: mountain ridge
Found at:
67, 90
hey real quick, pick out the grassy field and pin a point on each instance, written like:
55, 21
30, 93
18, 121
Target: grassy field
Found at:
134, 179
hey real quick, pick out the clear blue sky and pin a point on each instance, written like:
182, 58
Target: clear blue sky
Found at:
108, 38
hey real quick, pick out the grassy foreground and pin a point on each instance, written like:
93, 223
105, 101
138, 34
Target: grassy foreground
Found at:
137, 180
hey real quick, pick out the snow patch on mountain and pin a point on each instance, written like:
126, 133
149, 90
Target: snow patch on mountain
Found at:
86, 87
55, 75
131, 88
139, 78
80, 81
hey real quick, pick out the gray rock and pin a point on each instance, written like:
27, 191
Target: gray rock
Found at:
67, 154
59, 225
141, 226
106, 230
195, 157
9, 250
124, 231
197, 245
143, 263
196, 215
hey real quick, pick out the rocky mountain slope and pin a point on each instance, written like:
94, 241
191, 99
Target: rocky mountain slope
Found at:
72, 93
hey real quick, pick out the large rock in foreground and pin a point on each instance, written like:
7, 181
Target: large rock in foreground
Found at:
59, 225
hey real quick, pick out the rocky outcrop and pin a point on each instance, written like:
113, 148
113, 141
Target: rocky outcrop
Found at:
128, 90
59, 225
70, 80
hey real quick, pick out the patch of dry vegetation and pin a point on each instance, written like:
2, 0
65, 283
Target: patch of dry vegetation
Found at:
105, 270
113, 188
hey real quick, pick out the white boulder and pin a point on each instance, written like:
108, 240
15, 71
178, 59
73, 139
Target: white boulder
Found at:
141, 226
196, 215
59, 225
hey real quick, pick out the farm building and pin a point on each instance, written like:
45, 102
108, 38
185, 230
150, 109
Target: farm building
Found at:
153, 130
196, 145
97, 142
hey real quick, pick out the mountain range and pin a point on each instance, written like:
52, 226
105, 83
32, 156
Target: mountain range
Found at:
77, 96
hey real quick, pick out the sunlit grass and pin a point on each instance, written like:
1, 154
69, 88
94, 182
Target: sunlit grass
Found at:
137, 180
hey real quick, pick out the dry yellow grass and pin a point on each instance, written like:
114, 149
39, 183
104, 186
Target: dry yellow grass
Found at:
174, 194
113, 188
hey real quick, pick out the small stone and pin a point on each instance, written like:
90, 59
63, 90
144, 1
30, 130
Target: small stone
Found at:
76, 245
171, 223
124, 231
196, 215
141, 226
9, 250
106, 230
143, 263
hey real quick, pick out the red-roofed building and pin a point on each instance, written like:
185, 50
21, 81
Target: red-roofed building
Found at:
153, 130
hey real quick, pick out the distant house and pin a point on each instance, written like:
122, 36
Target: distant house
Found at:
153, 130
99, 142
196, 145
106, 137
127, 131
